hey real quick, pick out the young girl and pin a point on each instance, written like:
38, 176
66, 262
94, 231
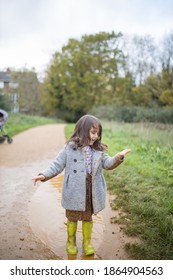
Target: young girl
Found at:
84, 188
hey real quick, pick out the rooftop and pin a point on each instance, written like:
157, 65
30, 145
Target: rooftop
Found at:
5, 77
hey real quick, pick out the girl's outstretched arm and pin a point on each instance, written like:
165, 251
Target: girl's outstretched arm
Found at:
124, 152
110, 163
38, 178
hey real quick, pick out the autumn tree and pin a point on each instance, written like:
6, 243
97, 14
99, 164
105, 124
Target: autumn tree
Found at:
83, 74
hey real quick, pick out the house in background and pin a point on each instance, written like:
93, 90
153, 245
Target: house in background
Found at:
22, 88
7, 87
5, 79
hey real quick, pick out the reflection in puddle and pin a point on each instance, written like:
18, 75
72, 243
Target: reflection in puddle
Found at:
48, 221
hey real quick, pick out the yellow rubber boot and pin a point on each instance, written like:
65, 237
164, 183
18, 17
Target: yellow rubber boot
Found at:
87, 231
71, 247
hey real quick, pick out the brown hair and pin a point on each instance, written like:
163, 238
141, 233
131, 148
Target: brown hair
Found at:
80, 135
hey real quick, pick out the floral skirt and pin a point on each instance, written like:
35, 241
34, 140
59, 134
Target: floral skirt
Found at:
73, 215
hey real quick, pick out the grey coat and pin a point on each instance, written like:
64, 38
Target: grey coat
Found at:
74, 184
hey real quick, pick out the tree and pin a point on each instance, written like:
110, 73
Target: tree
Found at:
83, 74
141, 57
166, 84
166, 53
27, 90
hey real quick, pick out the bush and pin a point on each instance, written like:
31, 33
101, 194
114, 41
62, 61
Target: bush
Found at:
4, 103
134, 113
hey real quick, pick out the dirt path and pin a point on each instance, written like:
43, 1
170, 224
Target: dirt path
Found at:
31, 218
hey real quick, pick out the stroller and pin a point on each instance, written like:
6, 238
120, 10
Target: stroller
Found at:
3, 134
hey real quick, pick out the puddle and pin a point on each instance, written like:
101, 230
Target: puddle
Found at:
48, 222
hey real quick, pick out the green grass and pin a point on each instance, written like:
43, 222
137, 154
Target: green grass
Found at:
69, 130
143, 185
17, 123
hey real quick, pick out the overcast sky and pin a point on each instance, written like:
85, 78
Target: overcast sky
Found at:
32, 30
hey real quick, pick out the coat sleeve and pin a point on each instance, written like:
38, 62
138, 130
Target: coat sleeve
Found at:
110, 163
56, 167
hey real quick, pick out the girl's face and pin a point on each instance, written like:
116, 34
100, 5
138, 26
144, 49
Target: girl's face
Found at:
93, 135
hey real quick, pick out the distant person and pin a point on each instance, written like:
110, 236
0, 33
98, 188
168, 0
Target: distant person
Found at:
84, 188
3, 133
3, 117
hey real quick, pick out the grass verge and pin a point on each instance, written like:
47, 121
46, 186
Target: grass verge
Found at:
17, 123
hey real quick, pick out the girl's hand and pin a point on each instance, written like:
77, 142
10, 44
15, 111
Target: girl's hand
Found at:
38, 178
124, 152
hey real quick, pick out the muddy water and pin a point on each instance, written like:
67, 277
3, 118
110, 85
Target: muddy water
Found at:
48, 222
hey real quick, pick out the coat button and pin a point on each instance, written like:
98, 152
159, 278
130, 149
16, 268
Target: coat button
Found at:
75, 160
74, 171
